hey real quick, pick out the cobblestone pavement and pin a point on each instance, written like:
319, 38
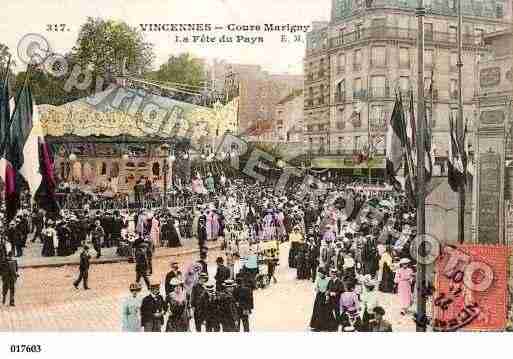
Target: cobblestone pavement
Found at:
47, 301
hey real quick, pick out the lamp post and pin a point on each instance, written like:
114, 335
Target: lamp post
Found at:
165, 148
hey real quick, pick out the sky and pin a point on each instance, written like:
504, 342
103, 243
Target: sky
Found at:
21, 17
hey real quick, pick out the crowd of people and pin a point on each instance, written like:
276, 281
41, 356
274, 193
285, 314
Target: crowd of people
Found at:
351, 240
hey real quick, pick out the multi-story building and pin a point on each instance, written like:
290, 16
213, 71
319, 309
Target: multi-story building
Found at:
356, 63
288, 120
259, 90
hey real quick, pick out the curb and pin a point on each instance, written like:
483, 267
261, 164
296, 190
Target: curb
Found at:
95, 261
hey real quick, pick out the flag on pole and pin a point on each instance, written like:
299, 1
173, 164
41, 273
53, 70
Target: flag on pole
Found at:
428, 138
45, 194
6, 108
22, 145
455, 169
396, 142
468, 161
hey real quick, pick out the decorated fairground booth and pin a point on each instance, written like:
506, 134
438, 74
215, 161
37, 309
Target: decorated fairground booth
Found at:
108, 143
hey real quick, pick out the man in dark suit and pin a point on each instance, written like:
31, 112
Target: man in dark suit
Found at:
334, 291
97, 236
9, 277
141, 265
197, 294
203, 262
153, 309
222, 273
84, 268
244, 298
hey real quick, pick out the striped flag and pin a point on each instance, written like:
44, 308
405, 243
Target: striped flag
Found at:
468, 161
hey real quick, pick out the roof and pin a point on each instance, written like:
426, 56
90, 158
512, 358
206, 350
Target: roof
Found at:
124, 111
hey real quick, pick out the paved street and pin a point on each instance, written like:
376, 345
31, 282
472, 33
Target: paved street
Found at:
47, 301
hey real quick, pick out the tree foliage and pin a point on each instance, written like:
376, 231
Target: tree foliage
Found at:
105, 46
184, 69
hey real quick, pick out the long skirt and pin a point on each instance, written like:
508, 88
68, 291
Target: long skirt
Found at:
293, 251
387, 284
323, 316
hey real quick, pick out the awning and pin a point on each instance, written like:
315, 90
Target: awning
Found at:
344, 162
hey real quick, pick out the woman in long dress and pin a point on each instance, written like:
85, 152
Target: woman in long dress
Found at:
323, 317
131, 310
178, 304
404, 279
385, 274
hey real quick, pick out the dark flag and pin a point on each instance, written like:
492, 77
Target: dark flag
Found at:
45, 195
455, 169
396, 142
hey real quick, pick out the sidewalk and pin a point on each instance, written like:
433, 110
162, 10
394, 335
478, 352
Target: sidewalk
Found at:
32, 258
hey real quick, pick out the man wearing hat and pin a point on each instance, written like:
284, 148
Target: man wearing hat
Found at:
153, 309
334, 290
142, 265
9, 276
203, 262
197, 294
244, 298
379, 324
84, 268
222, 273
97, 236
228, 307
212, 306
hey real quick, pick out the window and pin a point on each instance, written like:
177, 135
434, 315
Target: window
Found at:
452, 4
310, 92
428, 58
454, 61
378, 56
479, 35
377, 118
357, 143
340, 115
428, 31
341, 63
358, 31
453, 34
404, 83
453, 88
357, 60
404, 57
427, 83
357, 87
378, 23
341, 89
378, 86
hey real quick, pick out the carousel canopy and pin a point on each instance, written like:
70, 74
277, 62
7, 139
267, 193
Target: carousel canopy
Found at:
137, 114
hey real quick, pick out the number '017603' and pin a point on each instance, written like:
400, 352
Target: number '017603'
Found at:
36, 348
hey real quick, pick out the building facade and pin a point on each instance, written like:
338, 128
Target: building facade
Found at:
355, 64
288, 120
259, 91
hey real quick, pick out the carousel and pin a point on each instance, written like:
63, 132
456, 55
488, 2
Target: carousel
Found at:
104, 145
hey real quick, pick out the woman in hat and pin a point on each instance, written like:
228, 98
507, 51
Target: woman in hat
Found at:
385, 274
296, 241
49, 239
368, 301
131, 310
178, 304
403, 279
323, 317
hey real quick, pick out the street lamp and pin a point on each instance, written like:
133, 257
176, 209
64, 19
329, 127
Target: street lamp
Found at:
165, 148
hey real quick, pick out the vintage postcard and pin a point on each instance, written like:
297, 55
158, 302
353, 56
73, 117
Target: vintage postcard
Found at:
255, 166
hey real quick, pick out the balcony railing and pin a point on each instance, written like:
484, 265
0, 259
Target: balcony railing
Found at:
357, 67
341, 69
379, 92
389, 32
359, 94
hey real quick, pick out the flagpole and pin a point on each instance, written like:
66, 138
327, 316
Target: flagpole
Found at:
421, 189
459, 132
